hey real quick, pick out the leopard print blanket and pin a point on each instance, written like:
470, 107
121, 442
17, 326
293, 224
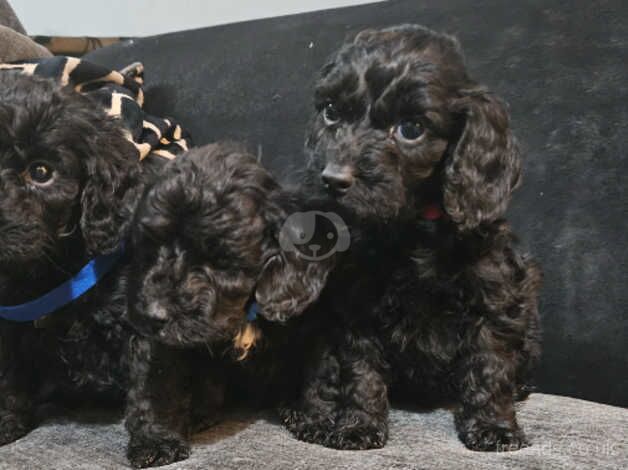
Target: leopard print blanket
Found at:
121, 95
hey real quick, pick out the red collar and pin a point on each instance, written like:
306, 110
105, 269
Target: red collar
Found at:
432, 212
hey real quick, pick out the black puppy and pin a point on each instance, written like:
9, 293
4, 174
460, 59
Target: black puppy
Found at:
208, 241
69, 179
432, 303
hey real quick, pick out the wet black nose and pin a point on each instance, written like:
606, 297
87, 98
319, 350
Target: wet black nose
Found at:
337, 179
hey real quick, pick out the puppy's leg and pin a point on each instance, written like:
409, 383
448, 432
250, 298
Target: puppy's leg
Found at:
344, 402
529, 354
501, 349
363, 419
312, 418
16, 417
486, 418
208, 398
159, 401
16, 382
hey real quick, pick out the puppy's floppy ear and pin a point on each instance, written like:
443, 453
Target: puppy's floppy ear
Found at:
483, 167
289, 284
169, 206
111, 189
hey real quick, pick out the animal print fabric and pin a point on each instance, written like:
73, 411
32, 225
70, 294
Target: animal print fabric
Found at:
121, 95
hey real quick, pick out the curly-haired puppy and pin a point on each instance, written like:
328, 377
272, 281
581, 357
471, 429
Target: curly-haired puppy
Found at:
68, 179
208, 248
432, 303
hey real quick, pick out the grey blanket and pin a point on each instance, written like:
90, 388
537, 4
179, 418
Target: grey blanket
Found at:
566, 434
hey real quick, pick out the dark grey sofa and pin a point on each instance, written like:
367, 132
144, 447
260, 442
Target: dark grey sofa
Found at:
567, 433
562, 67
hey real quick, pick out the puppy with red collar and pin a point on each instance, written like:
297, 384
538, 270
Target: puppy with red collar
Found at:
433, 302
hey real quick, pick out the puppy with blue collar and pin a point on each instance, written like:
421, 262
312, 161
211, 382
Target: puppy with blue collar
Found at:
68, 182
70, 179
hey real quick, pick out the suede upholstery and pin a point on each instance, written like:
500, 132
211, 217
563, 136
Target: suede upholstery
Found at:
8, 18
15, 46
566, 433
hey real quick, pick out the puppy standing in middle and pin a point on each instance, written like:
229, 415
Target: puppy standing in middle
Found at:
207, 251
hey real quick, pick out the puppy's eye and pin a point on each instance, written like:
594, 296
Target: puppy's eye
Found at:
331, 115
409, 131
40, 173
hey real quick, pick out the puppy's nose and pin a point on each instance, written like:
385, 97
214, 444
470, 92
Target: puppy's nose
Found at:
337, 178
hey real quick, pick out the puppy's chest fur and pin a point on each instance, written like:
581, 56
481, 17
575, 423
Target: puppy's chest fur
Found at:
418, 314
80, 348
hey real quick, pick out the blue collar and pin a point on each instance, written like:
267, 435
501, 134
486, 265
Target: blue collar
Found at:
252, 311
67, 292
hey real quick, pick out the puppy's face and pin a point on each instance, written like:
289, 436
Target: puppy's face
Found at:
207, 245
64, 169
40, 185
395, 110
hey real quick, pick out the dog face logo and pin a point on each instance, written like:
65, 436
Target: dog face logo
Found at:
314, 235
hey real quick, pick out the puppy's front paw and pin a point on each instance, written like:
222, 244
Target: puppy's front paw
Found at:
349, 431
155, 451
493, 438
306, 427
356, 430
357, 438
12, 427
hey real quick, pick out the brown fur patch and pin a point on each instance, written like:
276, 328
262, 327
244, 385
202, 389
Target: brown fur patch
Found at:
246, 339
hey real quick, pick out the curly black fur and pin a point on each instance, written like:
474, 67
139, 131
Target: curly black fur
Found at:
420, 309
49, 228
206, 243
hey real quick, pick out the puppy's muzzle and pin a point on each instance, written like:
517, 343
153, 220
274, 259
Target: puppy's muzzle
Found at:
337, 179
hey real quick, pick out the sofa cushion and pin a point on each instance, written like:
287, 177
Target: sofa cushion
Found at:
15, 46
8, 18
565, 433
